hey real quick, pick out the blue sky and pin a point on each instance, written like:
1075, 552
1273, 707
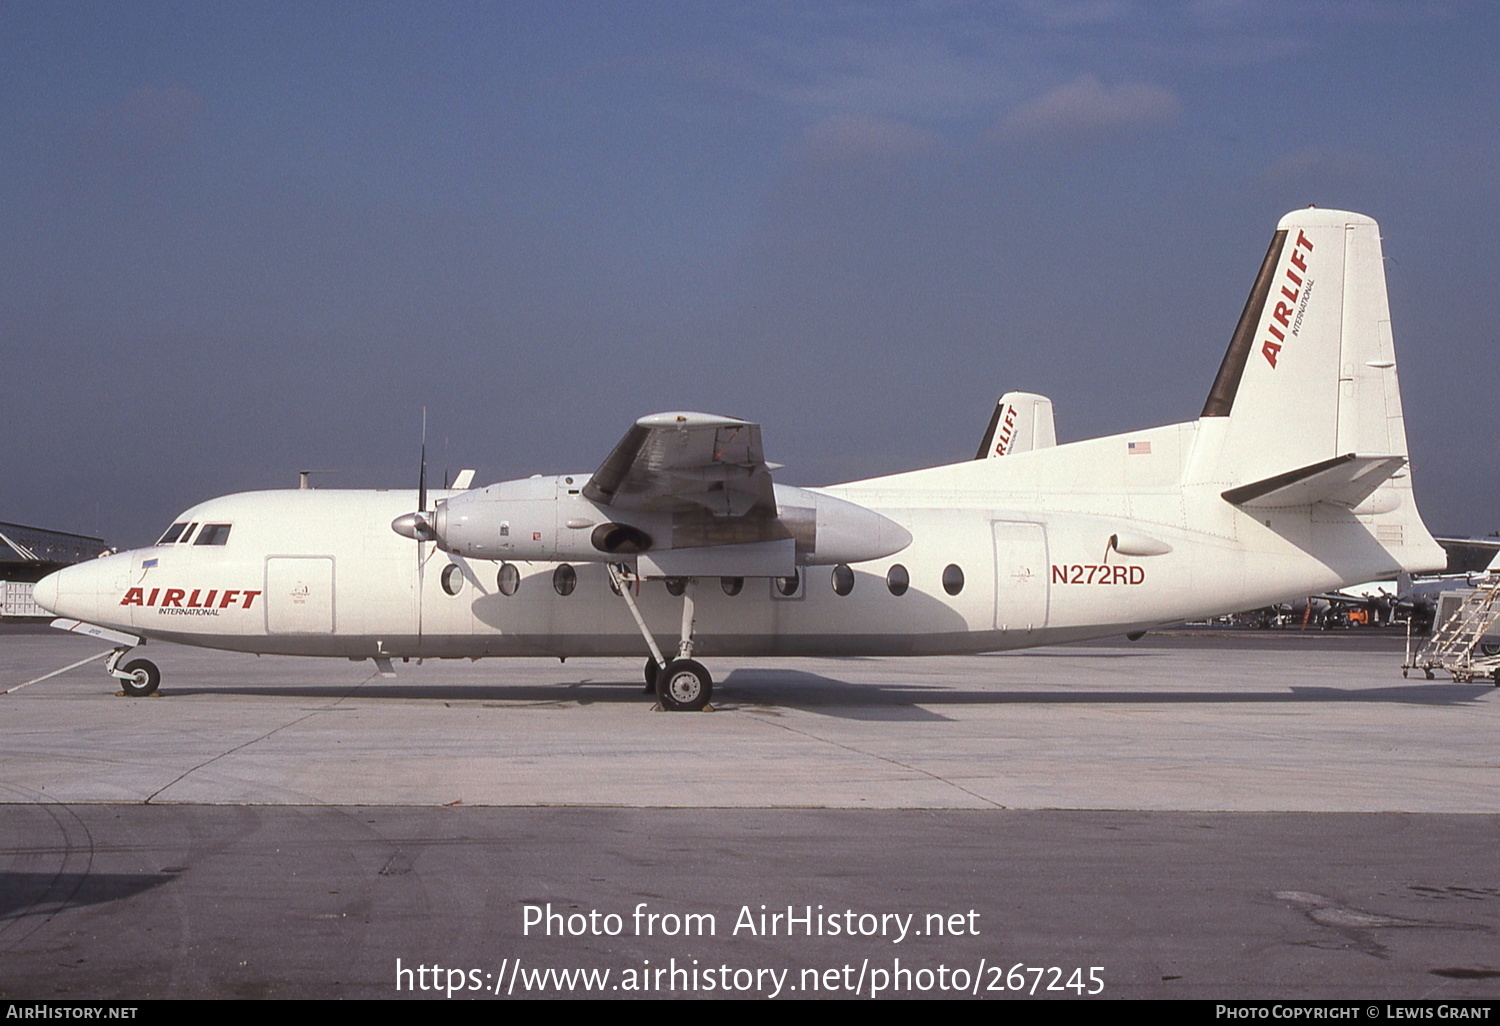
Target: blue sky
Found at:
239, 240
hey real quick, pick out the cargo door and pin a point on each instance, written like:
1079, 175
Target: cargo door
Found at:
299, 595
1021, 583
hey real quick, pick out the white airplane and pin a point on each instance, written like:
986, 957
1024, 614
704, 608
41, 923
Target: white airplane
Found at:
1293, 481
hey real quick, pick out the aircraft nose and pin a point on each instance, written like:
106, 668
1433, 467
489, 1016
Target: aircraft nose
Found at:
72, 591
46, 591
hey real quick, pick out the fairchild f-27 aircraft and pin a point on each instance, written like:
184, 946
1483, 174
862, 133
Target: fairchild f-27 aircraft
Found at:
1293, 481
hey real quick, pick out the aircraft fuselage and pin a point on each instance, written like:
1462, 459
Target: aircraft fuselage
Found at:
998, 560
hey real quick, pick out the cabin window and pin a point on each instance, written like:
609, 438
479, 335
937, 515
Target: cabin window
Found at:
172, 534
453, 578
953, 579
213, 534
731, 585
843, 579
897, 579
788, 585
676, 585
564, 579
508, 579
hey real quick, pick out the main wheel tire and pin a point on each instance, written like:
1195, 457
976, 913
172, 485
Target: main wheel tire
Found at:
684, 686
1489, 648
144, 678
653, 670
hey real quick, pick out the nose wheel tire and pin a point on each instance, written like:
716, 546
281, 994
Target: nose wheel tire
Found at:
144, 678
684, 686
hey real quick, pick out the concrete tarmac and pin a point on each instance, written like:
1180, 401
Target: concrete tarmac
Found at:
1246, 816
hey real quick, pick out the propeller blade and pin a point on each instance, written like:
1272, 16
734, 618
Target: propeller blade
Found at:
419, 524
422, 473
421, 527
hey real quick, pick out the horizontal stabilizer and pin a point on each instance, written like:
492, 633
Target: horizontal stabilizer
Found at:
1346, 480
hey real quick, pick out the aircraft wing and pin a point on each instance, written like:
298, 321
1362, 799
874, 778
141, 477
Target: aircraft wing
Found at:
687, 463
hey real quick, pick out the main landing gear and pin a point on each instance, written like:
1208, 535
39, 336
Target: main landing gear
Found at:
684, 686
138, 678
681, 684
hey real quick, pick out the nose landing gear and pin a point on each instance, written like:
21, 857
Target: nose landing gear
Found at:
138, 678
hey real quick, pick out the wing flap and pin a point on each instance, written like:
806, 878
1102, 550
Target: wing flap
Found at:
755, 559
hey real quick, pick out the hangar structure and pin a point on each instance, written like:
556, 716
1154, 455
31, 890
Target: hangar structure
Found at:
27, 554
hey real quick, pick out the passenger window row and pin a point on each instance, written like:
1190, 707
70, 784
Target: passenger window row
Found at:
565, 579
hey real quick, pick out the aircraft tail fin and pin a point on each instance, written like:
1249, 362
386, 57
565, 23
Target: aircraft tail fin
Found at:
1306, 407
1310, 373
1022, 421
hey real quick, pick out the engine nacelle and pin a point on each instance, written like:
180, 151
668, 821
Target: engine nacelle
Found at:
549, 519
540, 518
830, 530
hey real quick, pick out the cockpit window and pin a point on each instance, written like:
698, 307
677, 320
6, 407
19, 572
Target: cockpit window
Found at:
187, 535
171, 535
213, 534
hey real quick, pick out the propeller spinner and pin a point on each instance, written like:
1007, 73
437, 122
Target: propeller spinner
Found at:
417, 526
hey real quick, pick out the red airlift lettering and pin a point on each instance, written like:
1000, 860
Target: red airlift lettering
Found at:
1007, 431
172, 598
1283, 312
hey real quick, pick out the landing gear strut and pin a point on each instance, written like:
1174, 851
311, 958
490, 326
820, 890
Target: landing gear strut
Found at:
682, 684
138, 678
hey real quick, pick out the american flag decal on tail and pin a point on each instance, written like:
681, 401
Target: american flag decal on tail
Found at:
1138, 448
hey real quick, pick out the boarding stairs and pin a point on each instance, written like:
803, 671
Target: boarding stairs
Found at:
1455, 645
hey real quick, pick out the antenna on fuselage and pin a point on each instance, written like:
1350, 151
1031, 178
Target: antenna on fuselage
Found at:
303, 484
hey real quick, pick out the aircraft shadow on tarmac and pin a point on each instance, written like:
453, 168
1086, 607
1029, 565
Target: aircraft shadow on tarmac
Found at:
830, 696
45, 894
763, 689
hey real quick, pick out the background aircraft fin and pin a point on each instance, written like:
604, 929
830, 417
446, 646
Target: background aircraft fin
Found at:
1022, 421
